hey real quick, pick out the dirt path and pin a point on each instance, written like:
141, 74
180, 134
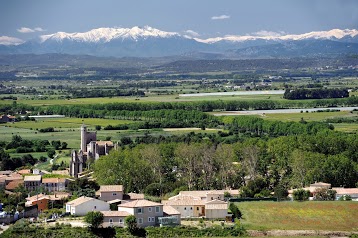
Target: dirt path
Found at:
301, 233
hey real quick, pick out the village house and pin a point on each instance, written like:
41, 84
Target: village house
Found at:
210, 204
82, 205
187, 207
146, 212
40, 200
207, 195
7, 118
110, 192
114, 218
32, 182
341, 192
54, 184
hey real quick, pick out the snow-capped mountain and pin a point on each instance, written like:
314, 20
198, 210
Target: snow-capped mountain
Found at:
104, 35
335, 34
151, 42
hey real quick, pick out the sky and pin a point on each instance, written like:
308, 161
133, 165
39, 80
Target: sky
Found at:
26, 19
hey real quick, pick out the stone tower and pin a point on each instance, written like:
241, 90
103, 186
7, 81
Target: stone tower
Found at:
84, 138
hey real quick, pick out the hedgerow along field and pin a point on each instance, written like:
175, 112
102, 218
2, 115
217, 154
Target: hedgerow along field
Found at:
312, 215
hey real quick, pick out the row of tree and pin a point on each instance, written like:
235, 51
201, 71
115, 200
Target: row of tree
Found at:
316, 93
257, 165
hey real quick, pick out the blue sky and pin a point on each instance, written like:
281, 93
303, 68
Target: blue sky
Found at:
207, 18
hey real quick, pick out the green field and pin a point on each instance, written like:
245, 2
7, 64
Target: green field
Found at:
328, 215
311, 116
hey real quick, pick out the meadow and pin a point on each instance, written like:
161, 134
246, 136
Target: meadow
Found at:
314, 215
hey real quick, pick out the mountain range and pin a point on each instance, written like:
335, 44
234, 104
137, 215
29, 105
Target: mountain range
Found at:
151, 42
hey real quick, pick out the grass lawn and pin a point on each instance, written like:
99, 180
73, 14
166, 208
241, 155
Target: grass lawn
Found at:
333, 216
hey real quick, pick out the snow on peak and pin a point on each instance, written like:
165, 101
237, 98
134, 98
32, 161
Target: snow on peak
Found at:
108, 34
267, 35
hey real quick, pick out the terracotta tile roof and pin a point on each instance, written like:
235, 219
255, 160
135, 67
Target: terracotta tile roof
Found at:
140, 203
24, 171
203, 193
36, 197
136, 196
111, 188
53, 180
79, 201
14, 184
184, 197
6, 172
321, 184
62, 172
109, 143
33, 178
169, 210
184, 202
115, 213
216, 204
346, 191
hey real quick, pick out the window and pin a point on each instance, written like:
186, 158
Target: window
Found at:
139, 210
149, 209
197, 208
111, 221
157, 209
184, 208
191, 208
120, 220
95, 207
140, 220
149, 219
153, 219
114, 194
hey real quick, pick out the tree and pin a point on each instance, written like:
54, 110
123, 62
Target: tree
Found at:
301, 195
98, 127
94, 218
131, 223
325, 194
64, 145
235, 210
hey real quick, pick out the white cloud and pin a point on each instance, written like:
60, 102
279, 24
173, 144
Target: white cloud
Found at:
29, 30
38, 29
192, 33
222, 17
264, 33
7, 40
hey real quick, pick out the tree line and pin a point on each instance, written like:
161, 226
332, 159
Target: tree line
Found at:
315, 93
257, 166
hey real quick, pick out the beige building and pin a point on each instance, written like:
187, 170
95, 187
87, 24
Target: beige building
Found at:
54, 184
114, 218
33, 182
146, 212
187, 207
216, 209
110, 192
82, 205
206, 195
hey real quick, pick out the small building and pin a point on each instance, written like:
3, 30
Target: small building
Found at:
146, 212
114, 218
187, 207
7, 118
341, 192
208, 195
24, 171
216, 209
171, 217
54, 184
33, 182
13, 184
82, 205
40, 200
110, 192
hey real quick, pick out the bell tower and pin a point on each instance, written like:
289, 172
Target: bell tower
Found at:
84, 138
